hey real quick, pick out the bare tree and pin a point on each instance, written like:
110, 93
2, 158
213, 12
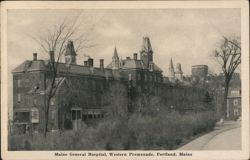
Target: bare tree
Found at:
228, 55
53, 41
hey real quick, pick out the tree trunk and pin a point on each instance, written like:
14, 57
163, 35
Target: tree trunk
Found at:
46, 117
224, 107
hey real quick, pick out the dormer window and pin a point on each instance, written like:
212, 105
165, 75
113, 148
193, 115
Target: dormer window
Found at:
151, 66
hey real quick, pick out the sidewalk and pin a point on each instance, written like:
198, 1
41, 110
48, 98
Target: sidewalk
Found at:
201, 142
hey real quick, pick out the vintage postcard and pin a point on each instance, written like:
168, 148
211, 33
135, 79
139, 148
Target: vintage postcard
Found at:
125, 80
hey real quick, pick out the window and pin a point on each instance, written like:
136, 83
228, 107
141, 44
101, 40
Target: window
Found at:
35, 101
85, 83
138, 77
90, 116
93, 84
18, 83
52, 115
22, 116
19, 97
151, 66
129, 77
34, 115
94, 100
73, 114
139, 88
85, 117
52, 101
236, 112
235, 93
76, 114
235, 102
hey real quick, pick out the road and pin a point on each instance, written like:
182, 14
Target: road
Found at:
224, 137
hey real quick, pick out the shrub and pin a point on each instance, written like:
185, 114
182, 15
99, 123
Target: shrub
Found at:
165, 130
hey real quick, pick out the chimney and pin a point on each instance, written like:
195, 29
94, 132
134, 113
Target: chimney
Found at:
90, 62
135, 56
85, 63
102, 63
34, 56
52, 55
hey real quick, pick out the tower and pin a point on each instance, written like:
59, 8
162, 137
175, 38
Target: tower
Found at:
171, 71
115, 60
178, 73
146, 51
70, 54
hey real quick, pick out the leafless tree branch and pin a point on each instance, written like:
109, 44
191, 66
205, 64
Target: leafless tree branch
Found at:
229, 57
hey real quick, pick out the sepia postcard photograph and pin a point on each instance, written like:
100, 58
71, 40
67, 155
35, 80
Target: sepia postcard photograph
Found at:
125, 80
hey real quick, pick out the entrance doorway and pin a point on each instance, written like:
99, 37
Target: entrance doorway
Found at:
76, 117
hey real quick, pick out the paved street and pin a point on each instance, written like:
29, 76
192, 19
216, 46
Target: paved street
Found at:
224, 137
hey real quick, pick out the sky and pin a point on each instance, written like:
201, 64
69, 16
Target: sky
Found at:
189, 36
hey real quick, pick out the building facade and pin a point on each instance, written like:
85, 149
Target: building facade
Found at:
80, 89
234, 104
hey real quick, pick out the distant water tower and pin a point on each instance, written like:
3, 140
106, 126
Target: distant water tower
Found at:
200, 71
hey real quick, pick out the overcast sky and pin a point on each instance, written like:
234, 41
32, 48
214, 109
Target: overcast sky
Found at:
189, 36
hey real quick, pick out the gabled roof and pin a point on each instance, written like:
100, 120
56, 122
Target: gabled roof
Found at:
156, 68
22, 67
74, 69
134, 64
43, 65
109, 66
38, 65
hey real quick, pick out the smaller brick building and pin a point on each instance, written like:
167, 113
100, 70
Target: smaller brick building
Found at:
234, 104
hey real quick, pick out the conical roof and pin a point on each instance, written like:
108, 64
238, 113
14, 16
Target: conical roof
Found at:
115, 55
146, 45
171, 64
70, 50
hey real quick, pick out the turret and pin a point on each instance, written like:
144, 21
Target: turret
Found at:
115, 60
70, 54
178, 73
146, 51
171, 70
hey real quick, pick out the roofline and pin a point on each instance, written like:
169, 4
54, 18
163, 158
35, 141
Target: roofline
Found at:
140, 69
29, 71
